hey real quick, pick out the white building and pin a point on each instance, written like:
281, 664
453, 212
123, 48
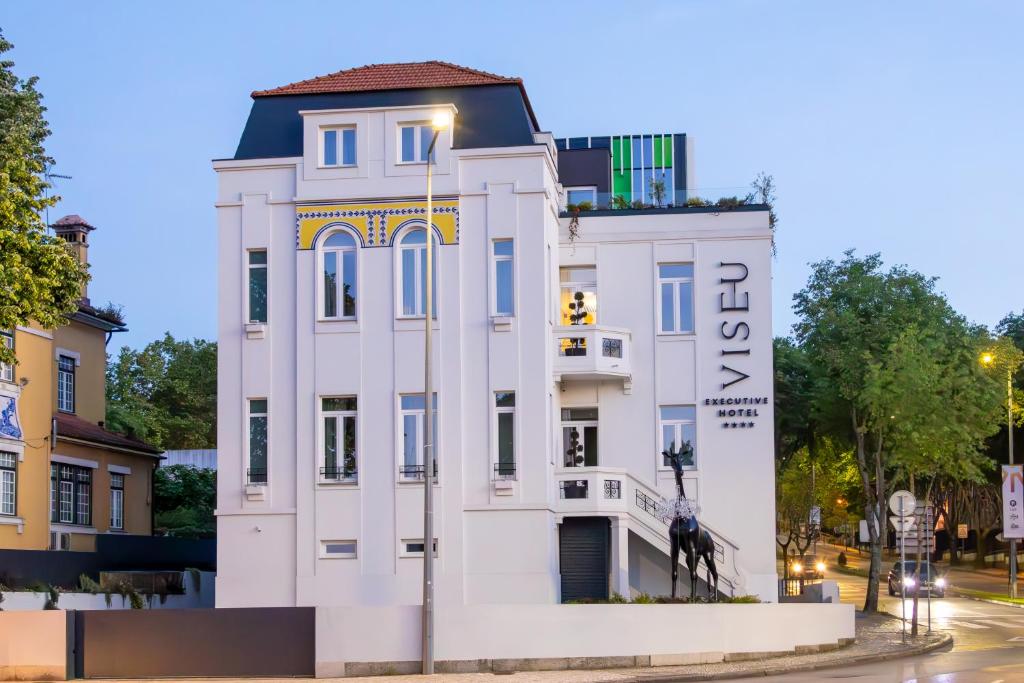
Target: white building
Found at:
320, 492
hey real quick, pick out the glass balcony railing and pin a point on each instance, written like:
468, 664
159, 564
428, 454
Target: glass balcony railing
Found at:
712, 197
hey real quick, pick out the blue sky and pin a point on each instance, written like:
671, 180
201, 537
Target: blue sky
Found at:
891, 127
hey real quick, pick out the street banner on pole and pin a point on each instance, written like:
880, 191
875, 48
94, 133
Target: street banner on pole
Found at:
1013, 501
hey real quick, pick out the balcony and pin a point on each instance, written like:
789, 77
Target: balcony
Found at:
592, 352
591, 489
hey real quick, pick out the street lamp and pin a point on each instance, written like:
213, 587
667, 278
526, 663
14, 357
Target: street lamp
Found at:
988, 359
440, 122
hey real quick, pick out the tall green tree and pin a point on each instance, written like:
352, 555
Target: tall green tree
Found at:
166, 393
184, 501
40, 279
877, 340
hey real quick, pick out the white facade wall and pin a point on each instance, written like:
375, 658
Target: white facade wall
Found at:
494, 546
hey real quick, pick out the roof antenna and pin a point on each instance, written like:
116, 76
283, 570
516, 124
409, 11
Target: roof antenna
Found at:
48, 175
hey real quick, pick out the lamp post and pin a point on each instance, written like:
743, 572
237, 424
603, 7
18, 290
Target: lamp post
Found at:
988, 359
440, 122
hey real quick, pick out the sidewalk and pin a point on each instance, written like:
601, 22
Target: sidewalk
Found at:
878, 639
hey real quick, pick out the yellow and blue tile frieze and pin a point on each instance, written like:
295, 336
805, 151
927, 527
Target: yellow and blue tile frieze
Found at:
376, 223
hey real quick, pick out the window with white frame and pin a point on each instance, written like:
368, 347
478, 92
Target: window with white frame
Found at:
414, 141
675, 287
412, 425
116, 501
338, 258
66, 384
678, 427
579, 437
502, 272
505, 435
578, 195
579, 295
71, 487
413, 547
8, 483
338, 550
6, 369
338, 146
258, 286
413, 287
257, 470
340, 462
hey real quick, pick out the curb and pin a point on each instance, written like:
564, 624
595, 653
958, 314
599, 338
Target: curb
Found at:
780, 670
988, 600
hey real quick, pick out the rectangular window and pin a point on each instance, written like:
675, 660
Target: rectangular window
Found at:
413, 409
580, 195
675, 287
117, 501
339, 146
414, 140
340, 462
413, 547
504, 298
8, 483
579, 295
258, 286
505, 407
71, 488
678, 427
338, 550
579, 437
257, 471
6, 370
66, 384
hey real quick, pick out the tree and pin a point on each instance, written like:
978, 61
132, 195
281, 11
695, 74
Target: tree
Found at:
165, 394
794, 425
184, 500
764, 193
890, 354
40, 278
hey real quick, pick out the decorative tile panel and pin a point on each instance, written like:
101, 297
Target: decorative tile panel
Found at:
375, 222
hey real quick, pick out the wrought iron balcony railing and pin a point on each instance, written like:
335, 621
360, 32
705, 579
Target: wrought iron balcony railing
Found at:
346, 474
504, 470
414, 472
256, 475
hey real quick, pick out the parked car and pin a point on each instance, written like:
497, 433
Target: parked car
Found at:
807, 567
932, 581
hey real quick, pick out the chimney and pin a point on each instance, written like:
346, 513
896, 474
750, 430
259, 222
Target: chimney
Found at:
75, 231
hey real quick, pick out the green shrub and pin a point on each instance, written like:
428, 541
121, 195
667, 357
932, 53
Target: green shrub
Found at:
87, 585
52, 596
697, 201
642, 599
740, 599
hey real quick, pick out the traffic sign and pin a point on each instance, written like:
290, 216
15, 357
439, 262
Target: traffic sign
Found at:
1013, 501
907, 506
902, 524
961, 531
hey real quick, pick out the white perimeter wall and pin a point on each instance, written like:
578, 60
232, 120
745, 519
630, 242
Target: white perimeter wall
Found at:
392, 634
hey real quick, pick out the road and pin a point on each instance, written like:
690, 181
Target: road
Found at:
988, 642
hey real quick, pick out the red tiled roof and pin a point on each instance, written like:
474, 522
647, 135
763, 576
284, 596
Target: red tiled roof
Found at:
72, 220
410, 75
74, 427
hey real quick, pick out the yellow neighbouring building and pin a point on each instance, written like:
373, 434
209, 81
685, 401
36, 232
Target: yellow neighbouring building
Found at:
64, 478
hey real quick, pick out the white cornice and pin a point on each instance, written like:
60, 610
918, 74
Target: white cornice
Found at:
247, 164
366, 110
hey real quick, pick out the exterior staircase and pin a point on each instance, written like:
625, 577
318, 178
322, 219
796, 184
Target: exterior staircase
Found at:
614, 491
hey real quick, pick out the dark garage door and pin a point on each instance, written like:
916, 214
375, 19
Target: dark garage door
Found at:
583, 555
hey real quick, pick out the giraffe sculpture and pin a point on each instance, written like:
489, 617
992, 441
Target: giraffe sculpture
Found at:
685, 531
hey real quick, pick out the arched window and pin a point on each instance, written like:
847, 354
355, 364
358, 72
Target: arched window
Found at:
339, 276
414, 274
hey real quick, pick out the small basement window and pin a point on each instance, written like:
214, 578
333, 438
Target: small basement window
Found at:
413, 547
338, 549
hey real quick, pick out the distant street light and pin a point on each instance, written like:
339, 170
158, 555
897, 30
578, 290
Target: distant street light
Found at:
988, 359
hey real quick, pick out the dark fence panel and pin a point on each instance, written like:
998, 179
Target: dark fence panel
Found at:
113, 553
226, 642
